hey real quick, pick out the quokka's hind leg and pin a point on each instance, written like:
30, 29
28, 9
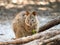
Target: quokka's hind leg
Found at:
20, 32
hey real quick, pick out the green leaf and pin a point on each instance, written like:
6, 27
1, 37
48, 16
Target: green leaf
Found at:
33, 31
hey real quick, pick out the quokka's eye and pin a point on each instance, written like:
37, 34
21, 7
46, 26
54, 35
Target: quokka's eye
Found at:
23, 15
32, 20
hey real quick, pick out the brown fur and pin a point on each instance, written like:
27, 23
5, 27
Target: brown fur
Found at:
21, 24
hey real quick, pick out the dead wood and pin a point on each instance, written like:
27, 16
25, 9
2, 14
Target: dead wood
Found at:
50, 24
51, 41
42, 36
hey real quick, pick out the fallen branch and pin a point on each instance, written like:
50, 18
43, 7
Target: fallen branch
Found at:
44, 35
50, 24
55, 40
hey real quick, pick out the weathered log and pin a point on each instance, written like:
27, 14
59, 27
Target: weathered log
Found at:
54, 40
50, 24
44, 35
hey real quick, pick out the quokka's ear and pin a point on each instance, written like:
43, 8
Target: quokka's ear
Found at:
27, 12
34, 13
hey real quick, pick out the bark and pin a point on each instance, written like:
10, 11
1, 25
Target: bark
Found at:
41, 36
51, 41
50, 24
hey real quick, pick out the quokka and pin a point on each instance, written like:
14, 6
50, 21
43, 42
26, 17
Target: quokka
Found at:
24, 23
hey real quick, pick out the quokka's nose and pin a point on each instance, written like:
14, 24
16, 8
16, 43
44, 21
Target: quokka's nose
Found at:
30, 24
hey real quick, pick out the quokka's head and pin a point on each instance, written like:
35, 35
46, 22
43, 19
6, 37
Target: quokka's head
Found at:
31, 19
